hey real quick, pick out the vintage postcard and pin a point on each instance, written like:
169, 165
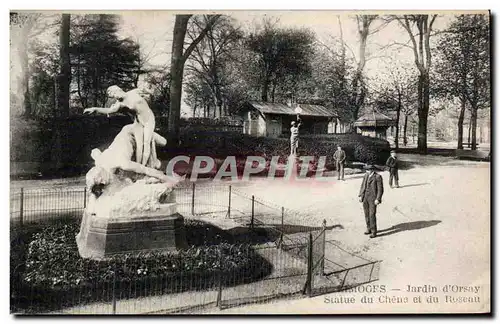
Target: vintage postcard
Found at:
250, 162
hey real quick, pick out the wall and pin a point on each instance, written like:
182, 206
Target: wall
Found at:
254, 124
338, 127
274, 125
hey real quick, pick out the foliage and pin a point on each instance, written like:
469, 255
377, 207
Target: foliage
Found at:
330, 80
463, 56
159, 97
99, 58
283, 58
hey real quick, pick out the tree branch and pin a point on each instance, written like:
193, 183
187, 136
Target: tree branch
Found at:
198, 39
406, 26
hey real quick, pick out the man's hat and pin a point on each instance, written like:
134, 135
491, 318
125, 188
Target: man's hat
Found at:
393, 151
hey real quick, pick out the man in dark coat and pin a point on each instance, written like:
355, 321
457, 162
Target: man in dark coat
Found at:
392, 164
339, 157
370, 194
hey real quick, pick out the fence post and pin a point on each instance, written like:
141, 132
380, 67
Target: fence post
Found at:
229, 204
282, 226
21, 207
113, 301
192, 199
309, 266
219, 292
253, 212
324, 248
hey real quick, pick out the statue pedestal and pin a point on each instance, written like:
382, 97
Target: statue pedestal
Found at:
101, 237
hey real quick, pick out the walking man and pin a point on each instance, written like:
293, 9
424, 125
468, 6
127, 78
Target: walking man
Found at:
339, 157
392, 164
370, 194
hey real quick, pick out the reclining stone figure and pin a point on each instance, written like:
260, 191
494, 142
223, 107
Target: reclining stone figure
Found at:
119, 156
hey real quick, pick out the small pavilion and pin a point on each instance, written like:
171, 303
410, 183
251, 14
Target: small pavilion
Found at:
374, 124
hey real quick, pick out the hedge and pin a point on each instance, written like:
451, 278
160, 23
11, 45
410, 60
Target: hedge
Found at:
219, 144
33, 141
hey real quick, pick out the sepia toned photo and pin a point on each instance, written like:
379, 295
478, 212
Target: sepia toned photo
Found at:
250, 162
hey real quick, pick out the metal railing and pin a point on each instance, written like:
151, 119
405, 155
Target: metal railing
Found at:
288, 259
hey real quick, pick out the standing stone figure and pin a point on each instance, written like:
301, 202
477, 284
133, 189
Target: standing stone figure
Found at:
294, 136
339, 157
132, 100
370, 194
392, 163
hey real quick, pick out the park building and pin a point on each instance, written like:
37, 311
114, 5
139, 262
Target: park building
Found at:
374, 124
274, 119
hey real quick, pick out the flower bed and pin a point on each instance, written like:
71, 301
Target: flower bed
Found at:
51, 274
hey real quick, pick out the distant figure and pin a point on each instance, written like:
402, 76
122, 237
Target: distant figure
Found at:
339, 157
133, 100
294, 136
392, 163
370, 194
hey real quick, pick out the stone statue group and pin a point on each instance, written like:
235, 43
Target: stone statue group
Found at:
132, 200
139, 138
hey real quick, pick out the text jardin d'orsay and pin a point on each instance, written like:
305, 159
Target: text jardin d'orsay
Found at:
380, 294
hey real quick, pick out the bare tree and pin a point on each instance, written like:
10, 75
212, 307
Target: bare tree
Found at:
179, 57
210, 55
398, 94
420, 44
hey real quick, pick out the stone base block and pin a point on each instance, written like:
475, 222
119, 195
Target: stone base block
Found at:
102, 237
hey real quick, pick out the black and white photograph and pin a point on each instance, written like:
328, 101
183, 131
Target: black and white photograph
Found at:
276, 162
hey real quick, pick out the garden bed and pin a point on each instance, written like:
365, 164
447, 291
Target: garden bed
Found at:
47, 272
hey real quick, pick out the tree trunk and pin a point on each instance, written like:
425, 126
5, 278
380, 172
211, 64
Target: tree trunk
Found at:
473, 128
405, 127
64, 78
423, 113
273, 91
176, 72
470, 122
265, 90
25, 76
460, 139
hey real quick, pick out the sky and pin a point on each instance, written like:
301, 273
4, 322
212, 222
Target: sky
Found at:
153, 30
